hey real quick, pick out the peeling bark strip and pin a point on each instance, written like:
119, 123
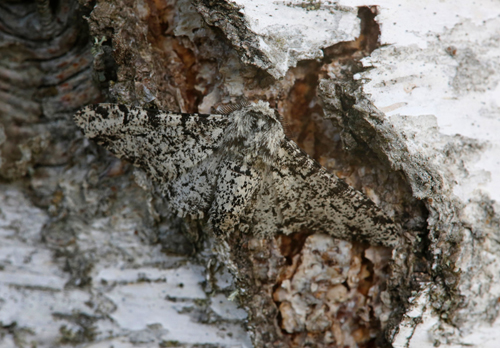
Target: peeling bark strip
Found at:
231, 21
224, 165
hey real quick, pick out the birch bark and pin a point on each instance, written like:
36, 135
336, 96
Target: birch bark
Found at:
400, 100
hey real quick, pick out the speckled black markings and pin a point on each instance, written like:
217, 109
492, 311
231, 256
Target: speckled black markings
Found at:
237, 167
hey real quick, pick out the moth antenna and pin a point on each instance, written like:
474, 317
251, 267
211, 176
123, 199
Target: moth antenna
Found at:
227, 108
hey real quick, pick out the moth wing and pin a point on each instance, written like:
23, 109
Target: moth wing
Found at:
303, 196
264, 211
192, 192
167, 145
236, 184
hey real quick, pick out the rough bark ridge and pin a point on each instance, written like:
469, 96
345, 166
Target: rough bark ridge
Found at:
317, 135
82, 234
89, 242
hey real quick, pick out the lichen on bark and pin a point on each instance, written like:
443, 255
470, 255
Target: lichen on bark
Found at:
298, 290
303, 113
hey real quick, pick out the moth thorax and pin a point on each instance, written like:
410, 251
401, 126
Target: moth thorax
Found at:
255, 132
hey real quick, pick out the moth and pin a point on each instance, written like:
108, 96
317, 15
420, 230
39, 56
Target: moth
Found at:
239, 170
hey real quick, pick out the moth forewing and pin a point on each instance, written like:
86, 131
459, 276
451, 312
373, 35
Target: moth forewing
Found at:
237, 167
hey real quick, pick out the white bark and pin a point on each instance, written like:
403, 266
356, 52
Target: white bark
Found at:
138, 296
436, 87
438, 83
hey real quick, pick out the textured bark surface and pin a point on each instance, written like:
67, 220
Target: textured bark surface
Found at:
92, 256
89, 255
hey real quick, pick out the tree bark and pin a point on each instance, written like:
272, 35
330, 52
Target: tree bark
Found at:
405, 109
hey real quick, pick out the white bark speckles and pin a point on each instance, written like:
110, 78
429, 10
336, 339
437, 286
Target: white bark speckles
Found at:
125, 306
285, 32
439, 85
93, 256
288, 34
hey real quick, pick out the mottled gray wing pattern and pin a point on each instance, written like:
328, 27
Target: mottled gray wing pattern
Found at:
236, 184
240, 168
176, 149
299, 195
